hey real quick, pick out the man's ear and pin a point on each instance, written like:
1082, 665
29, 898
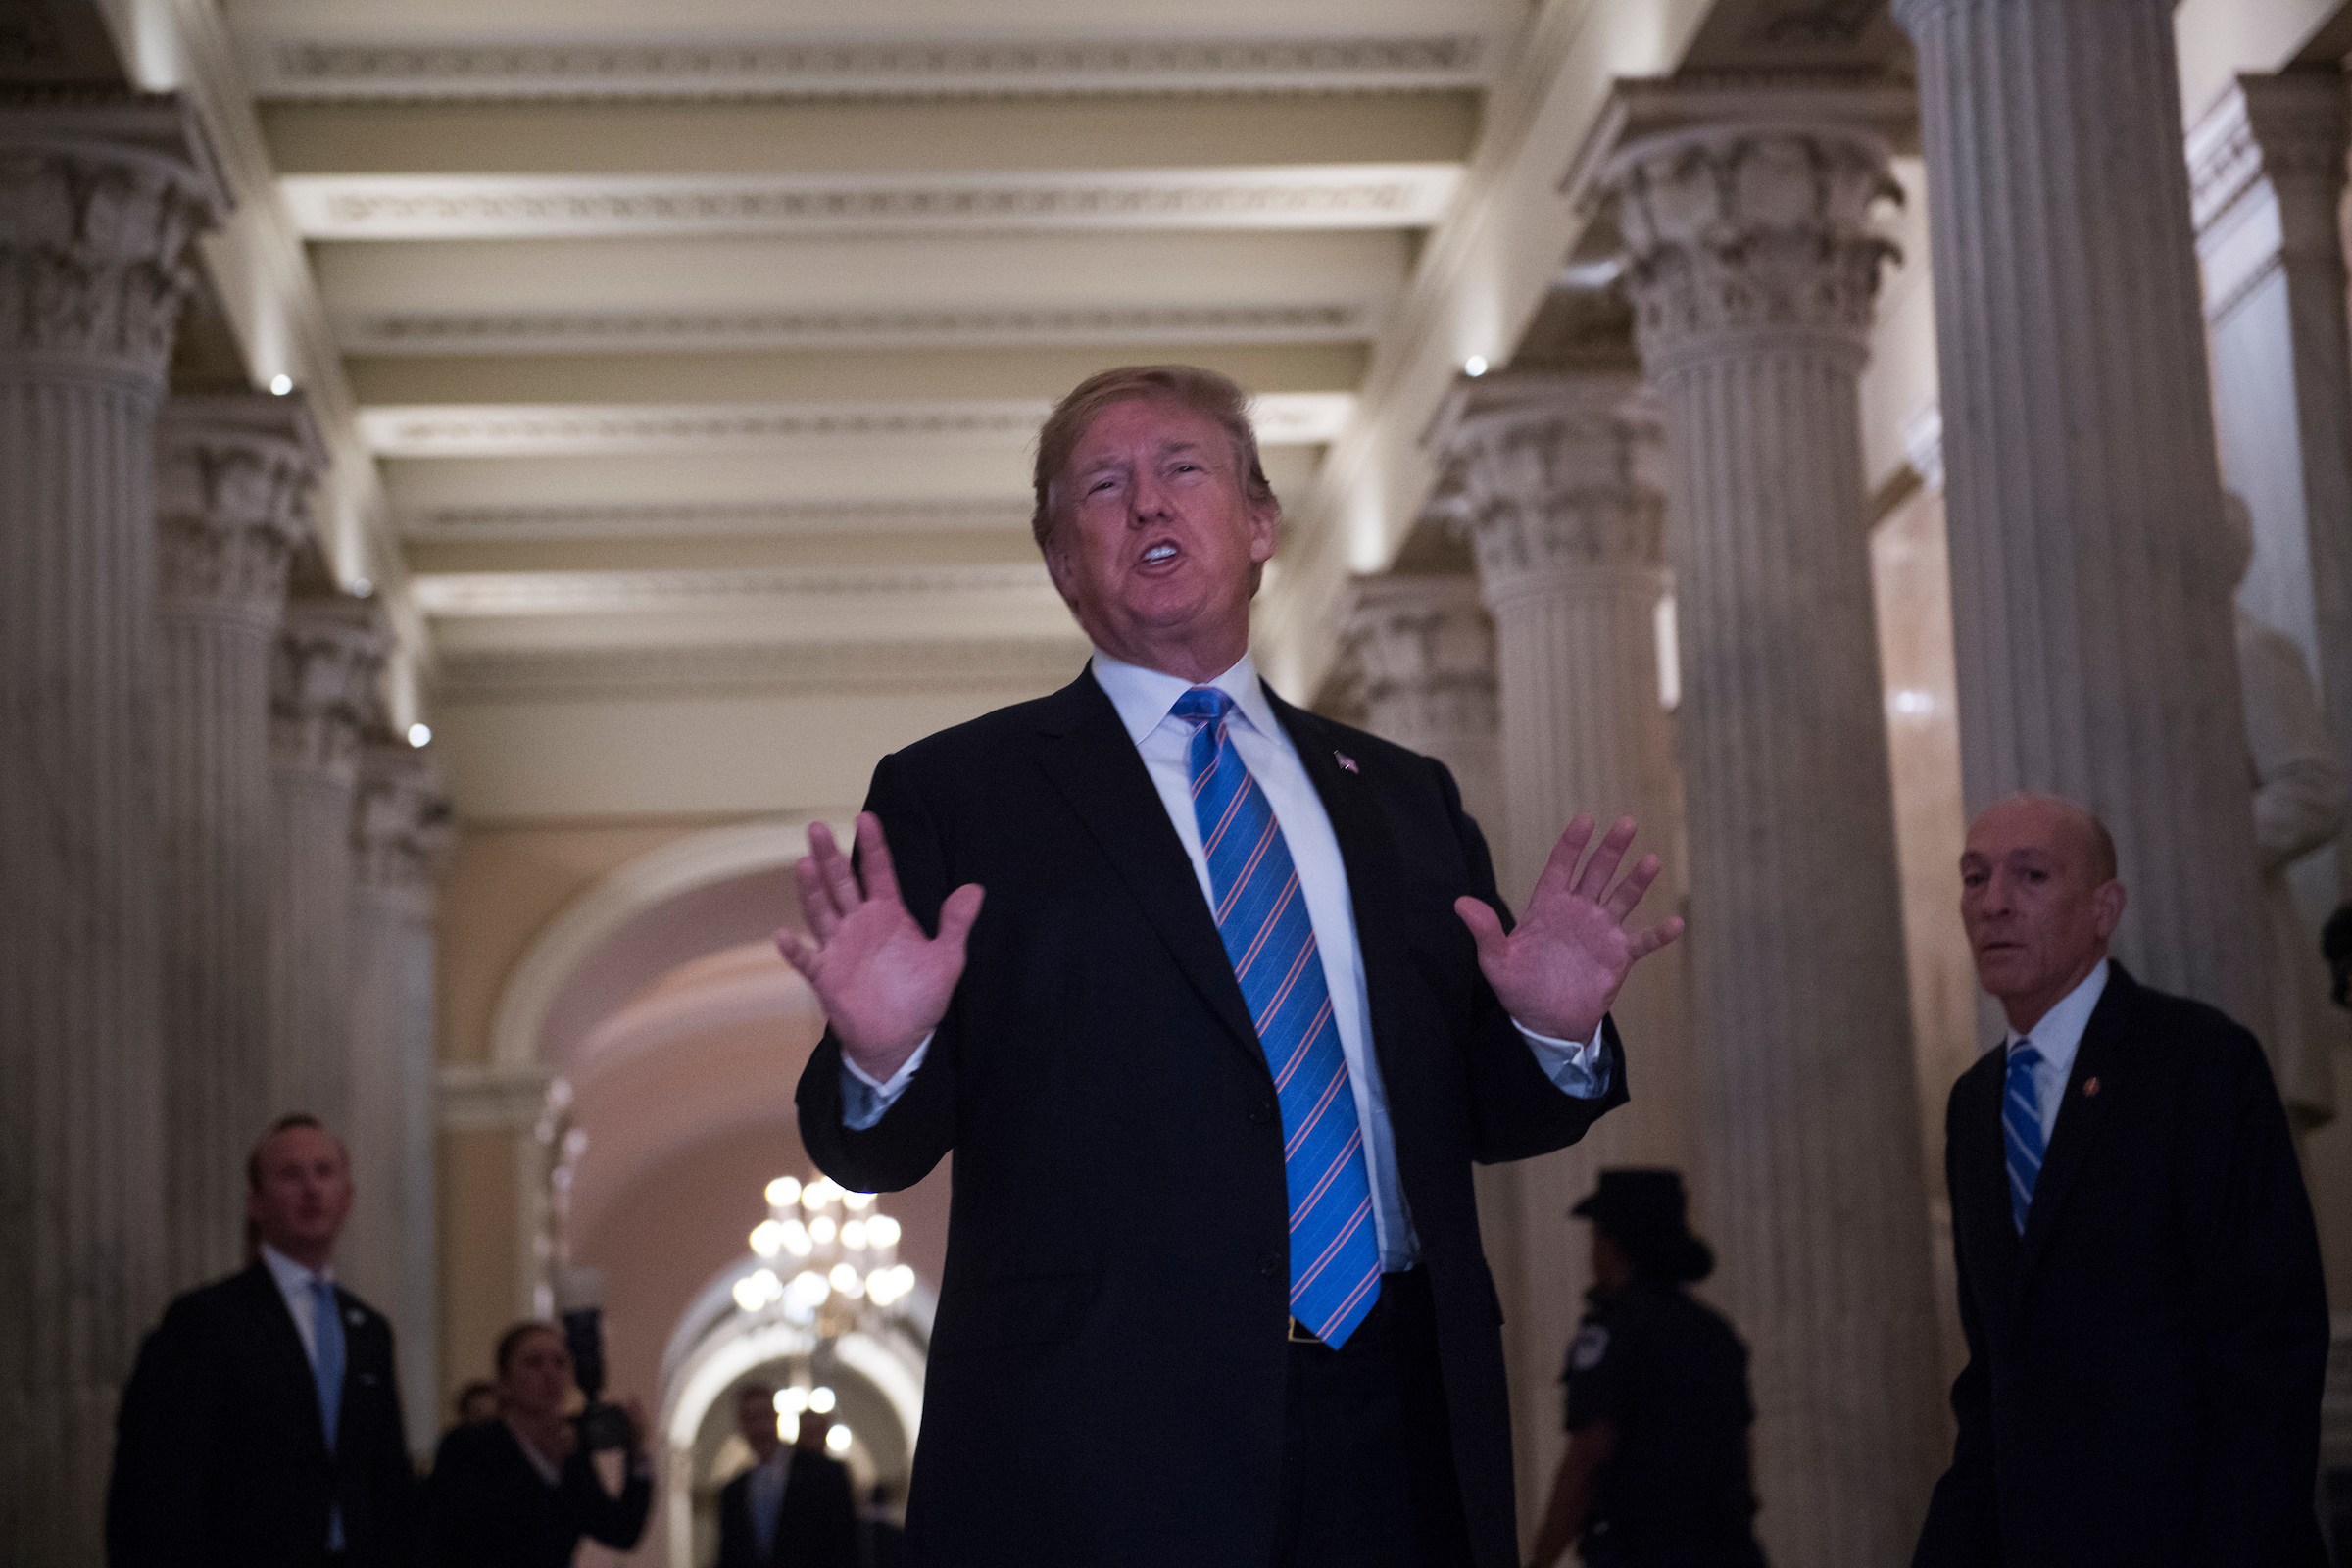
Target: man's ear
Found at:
2107, 907
1265, 529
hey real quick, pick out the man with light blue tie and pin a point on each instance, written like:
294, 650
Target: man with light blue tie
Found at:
1216, 1004
262, 1424
2138, 1271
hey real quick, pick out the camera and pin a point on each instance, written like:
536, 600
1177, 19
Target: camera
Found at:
581, 1304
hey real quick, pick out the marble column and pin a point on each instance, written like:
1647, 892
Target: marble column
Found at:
233, 475
400, 845
1425, 655
2265, 180
2090, 582
323, 690
1753, 266
1564, 499
99, 198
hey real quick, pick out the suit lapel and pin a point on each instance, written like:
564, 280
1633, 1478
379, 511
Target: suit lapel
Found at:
1982, 1208
1087, 754
274, 1320
2081, 1116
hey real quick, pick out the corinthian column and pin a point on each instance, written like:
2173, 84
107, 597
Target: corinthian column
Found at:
2266, 175
233, 476
98, 199
322, 689
1563, 500
2090, 595
1753, 267
400, 845
1426, 662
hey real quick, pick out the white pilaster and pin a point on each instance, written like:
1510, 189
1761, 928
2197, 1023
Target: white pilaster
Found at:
2090, 580
234, 475
2266, 178
401, 836
1753, 265
99, 197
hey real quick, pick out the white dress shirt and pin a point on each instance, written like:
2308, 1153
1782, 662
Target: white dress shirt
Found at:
1145, 700
294, 1284
2058, 1037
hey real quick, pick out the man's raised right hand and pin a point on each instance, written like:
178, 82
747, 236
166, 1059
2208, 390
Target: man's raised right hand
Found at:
883, 984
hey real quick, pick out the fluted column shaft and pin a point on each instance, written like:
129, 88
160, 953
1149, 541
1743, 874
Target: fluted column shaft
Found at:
1426, 653
2091, 623
233, 472
1564, 499
1753, 268
2266, 177
324, 667
98, 199
400, 842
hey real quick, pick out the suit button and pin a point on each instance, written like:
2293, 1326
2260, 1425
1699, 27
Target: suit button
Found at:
1267, 1265
1262, 1112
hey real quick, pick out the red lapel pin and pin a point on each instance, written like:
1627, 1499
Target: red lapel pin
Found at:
1348, 763
2091, 1086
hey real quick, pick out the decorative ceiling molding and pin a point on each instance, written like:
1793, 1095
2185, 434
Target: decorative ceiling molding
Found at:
524, 675
602, 593
463, 430
329, 68
356, 207
674, 332
470, 524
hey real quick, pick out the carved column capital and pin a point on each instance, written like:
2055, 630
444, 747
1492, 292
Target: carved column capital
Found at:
322, 683
1744, 229
233, 476
400, 830
1424, 656
99, 196
1560, 482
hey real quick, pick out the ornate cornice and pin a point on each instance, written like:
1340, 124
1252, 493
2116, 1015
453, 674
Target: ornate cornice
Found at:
2291, 127
633, 331
234, 475
537, 207
100, 195
1744, 231
523, 676
1558, 481
431, 430
586, 593
458, 524
329, 651
302, 68
401, 826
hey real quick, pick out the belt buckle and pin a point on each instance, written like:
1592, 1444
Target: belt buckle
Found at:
1301, 1333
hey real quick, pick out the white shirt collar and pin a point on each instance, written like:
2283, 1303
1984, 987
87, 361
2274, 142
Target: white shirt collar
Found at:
292, 1278
1144, 697
2059, 1034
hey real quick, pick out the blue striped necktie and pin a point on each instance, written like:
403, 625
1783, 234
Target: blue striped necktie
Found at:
2021, 1129
1261, 915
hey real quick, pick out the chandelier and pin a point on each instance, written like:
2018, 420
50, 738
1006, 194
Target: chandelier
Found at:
828, 1258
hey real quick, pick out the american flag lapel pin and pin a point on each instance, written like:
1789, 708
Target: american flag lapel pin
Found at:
2091, 1086
1348, 763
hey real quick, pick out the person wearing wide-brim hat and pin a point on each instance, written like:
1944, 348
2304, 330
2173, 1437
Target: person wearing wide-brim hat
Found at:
1656, 1473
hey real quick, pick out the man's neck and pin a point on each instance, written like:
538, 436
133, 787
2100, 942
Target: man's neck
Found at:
1198, 659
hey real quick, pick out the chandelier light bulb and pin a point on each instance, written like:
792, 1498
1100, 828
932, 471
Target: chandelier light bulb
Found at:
881, 1231
820, 1399
783, 1192
838, 1440
767, 1237
853, 1236
794, 1237
857, 1200
821, 1230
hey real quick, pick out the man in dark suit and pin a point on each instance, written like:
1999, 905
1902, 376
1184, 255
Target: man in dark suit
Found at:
262, 1424
2139, 1275
792, 1509
1242, 1010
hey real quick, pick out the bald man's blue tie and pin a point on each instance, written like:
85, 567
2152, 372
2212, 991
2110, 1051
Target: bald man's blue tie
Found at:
2021, 1129
1261, 915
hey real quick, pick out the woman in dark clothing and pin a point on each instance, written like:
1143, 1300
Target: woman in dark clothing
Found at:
519, 1491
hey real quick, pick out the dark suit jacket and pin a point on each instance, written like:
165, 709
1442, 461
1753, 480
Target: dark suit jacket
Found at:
491, 1509
220, 1457
816, 1523
2144, 1364
1106, 1374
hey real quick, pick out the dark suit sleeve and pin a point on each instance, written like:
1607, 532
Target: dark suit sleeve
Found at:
2260, 1308
166, 1441
1963, 1528
735, 1524
397, 1499
839, 1520
919, 1128
1519, 1111
458, 1502
616, 1521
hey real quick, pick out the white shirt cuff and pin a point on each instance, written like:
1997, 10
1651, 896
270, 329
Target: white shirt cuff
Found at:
864, 1099
1582, 1070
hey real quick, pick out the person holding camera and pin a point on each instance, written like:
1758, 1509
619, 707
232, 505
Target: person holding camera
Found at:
520, 1491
